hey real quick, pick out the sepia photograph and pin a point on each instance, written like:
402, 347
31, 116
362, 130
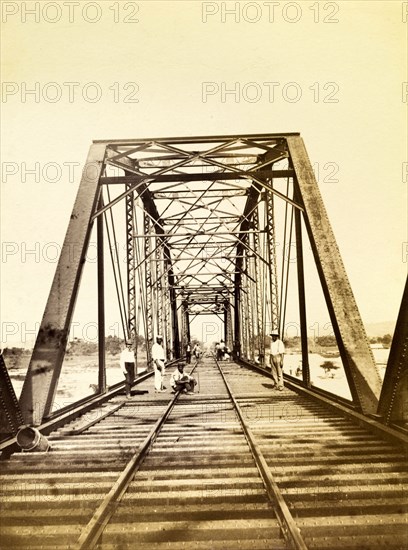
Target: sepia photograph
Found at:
204, 297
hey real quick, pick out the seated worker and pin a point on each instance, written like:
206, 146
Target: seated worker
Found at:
181, 381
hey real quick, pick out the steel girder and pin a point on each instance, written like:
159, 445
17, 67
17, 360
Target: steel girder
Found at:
167, 318
273, 271
241, 302
159, 286
185, 326
361, 371
302, 299
258, 288
10, 414
41, 380
249, 300
149, 288
246, 305
228, 338
101, 304
131, 264
393, 402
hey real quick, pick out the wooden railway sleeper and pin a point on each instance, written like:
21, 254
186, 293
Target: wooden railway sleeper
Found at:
290, 530
95, 527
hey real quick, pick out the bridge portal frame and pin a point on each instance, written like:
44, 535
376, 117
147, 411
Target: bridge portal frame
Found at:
45, 366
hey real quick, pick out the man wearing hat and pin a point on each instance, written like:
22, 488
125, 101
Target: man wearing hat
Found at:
159, 358
127, 364
277, 352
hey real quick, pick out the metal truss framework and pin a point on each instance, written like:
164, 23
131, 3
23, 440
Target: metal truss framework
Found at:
206, 206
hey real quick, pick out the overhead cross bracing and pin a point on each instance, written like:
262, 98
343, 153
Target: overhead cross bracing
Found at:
200, 191
215, 226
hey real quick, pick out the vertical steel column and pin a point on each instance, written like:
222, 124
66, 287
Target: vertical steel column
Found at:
360, 368
188, 333
237, 320
131, 264
184, 326
249, 309
159, 285
226, 323
393, 405
40, 384
174, 321
273, 277
301, 292
245, 306
230, 336
237, 300
167, 315
149, 291
258, 288
101, 303
244, 326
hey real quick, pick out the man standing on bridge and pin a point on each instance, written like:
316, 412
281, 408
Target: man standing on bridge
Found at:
127, 364
159, 358
277, 353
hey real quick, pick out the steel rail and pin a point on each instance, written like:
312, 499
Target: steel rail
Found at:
95, 527
73, 411
83, 429
336, 478
290, 530
339, 404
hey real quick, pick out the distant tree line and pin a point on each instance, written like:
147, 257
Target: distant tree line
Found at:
13, 356
113, 345
321, 341
385, 340
330, 341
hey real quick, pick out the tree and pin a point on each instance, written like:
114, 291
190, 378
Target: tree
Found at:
326, 341
14, 356
140, 342
293, 342
386, 339
113, 344
80, 347
328, 367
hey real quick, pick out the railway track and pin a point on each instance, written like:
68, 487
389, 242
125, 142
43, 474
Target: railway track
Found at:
237, 465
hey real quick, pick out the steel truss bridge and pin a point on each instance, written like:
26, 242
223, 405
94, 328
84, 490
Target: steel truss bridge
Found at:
213, 226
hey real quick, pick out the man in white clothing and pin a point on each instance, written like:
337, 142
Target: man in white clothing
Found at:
277, 352
181, 381
159, 358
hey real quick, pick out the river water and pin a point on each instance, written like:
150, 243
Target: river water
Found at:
80, 374
337, 384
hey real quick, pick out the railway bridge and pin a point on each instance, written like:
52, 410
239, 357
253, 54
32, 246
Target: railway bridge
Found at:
225, 231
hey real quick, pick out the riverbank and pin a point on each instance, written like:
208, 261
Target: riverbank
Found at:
79, 374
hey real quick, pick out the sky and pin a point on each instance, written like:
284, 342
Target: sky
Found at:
73, 72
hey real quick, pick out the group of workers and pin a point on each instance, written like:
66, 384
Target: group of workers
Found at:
179, 380
196, 352
222, 353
